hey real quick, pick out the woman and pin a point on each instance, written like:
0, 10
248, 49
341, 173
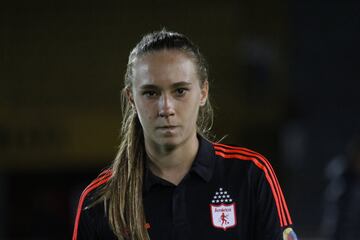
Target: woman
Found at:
167, 180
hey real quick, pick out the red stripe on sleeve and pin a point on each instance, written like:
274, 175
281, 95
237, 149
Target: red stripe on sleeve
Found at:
104, 175
263, 164
103, 178
281, 195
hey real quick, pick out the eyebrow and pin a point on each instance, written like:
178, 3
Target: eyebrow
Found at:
175, 85
181, 84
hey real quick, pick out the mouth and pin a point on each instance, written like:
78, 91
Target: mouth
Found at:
167, 130
167, 127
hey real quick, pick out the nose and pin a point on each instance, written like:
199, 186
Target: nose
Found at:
166, 106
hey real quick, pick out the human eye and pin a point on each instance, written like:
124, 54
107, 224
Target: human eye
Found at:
149, 93
181, 91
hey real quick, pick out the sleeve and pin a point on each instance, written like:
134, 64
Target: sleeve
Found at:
84, 226
91, 222
273, 220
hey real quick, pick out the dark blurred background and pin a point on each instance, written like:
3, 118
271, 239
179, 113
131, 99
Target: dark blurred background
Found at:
284, 81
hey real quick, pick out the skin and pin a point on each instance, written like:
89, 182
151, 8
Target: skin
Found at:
167, 94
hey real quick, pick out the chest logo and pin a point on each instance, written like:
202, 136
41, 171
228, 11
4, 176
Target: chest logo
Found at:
222, 210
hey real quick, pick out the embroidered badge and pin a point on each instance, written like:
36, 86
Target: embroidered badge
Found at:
289, 234
222, 209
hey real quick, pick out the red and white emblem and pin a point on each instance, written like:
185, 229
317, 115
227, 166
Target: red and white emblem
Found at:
223, 215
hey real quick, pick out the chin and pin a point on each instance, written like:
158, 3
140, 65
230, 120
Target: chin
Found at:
169, 146
169, 142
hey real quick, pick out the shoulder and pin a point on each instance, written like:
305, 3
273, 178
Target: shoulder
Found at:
245, 155
90, 191
89, 218
259, 169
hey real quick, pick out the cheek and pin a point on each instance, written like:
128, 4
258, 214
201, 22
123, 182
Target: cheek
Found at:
144, 111
192, 109
195, 103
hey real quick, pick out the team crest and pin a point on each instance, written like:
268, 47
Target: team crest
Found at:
222, 209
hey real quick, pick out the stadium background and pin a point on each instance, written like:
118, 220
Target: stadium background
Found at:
284, 81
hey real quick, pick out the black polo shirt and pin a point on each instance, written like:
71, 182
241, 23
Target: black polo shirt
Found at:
229, 193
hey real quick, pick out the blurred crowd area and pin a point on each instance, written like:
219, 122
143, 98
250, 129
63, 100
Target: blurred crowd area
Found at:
283, 80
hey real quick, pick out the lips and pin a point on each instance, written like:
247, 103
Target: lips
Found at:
167, 127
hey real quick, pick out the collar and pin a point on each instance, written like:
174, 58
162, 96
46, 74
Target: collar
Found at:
203, 165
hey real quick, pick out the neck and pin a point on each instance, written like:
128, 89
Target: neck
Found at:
172, 163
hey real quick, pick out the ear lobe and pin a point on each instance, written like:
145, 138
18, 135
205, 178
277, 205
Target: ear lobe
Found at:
204, 93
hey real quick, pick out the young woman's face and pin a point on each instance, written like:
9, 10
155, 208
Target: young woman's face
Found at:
167, 94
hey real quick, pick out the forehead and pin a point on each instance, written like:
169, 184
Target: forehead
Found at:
168, 54
164, 66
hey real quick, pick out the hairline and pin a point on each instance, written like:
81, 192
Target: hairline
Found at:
185, 51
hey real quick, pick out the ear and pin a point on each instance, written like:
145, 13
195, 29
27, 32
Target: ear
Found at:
204, 92
129, 96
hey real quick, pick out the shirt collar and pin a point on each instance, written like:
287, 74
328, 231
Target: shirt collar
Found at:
204, 161
203, 165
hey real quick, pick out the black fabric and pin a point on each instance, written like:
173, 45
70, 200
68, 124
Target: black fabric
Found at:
185, 211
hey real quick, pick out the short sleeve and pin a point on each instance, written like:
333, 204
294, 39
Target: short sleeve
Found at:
273, 219
86, 227
91, 221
